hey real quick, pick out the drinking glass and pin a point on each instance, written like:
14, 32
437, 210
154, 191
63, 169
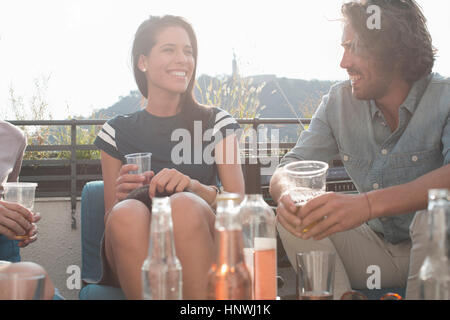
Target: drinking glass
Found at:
143, 160
21, 286
305, 180
315, 275
4, 264
22, 193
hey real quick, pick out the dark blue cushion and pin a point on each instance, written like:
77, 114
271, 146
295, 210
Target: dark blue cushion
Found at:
99, 292
92, 229
57, 295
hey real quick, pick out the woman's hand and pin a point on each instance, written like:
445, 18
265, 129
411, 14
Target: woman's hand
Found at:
127, 182
170, 181
15, 220
332, 213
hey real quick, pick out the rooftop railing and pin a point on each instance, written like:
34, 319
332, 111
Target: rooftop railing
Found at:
76, 178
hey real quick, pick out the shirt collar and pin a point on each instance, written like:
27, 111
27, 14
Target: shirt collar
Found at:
413, 98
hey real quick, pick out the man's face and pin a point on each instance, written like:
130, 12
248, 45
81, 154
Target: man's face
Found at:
369, 81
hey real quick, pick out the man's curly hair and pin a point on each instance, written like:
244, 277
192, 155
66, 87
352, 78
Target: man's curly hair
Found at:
403, 38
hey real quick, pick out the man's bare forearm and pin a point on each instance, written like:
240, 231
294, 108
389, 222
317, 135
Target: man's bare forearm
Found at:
408, 197
277, 187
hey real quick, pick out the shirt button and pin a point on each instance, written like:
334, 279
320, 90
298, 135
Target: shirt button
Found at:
345, 158
376, 186
384, 152
414, 158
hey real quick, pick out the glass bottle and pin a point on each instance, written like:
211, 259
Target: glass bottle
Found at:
434, 275
161, 271
228, 277
260, 246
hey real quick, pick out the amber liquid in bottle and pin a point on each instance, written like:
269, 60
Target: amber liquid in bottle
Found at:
265, 274
259, 229
228, 277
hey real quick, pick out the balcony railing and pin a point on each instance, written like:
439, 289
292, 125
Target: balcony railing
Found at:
75, 177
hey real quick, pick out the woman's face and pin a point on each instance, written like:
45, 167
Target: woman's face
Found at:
170, 64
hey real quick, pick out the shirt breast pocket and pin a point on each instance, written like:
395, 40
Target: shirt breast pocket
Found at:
357, 167
409, 166
352, 161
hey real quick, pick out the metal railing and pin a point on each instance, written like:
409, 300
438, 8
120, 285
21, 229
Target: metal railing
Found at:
73, 147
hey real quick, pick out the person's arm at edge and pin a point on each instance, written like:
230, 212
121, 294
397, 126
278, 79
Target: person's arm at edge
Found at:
14, 175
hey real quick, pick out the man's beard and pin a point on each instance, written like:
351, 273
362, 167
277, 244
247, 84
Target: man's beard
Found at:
377, 88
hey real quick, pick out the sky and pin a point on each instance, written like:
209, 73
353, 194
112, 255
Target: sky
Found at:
84, 47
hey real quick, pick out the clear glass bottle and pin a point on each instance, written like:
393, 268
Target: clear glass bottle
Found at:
161, 271
260, 246
228, 278
434, 275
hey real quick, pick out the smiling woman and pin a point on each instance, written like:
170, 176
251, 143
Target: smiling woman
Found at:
177, 51
164, 63
170, 65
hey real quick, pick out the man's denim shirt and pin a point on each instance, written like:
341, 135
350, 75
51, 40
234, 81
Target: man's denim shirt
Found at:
373, 156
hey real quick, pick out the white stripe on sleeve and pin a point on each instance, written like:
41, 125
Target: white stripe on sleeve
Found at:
109, 130
221, 115
222, 124
107, 139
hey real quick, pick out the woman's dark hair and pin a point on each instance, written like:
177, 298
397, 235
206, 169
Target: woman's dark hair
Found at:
403, 37
145, 39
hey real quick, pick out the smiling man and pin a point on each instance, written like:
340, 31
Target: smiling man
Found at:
390, 126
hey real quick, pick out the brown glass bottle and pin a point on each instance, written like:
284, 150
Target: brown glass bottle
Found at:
228, 278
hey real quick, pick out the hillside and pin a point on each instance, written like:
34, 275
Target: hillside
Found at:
275, 98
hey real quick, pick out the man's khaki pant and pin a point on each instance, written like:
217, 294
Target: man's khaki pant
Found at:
358, 249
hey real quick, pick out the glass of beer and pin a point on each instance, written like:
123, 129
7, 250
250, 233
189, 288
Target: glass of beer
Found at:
22, 193
22, 286
305, 180
4, 264
315, 275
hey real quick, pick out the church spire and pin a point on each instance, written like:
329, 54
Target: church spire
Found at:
235, 74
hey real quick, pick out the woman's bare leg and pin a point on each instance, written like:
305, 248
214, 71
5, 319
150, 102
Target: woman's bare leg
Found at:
193, 222
126, 243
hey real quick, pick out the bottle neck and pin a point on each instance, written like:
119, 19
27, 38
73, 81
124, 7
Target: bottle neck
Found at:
161, 243
227, 216
228, 233
438, 236
254, 197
